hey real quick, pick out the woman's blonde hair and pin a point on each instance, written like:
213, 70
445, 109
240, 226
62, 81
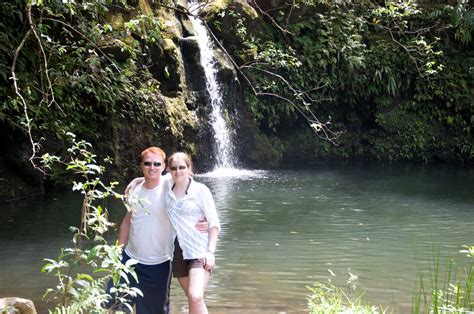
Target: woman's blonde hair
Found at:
183, 156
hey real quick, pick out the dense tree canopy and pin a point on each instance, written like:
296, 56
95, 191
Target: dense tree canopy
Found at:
394, 78
398, 77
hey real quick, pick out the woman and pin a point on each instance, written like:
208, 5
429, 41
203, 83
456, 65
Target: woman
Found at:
187, 202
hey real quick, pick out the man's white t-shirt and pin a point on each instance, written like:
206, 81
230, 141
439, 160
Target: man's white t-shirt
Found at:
151, 235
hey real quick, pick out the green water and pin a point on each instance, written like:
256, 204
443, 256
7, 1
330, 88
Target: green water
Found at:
283, 231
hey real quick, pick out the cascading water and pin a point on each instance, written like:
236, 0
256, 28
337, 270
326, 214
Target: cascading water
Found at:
224, 151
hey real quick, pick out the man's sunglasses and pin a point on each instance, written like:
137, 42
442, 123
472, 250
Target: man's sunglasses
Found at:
149, 163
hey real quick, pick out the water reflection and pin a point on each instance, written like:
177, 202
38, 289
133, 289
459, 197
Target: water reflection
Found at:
283, 231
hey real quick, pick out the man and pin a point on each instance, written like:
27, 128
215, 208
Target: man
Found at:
148, 236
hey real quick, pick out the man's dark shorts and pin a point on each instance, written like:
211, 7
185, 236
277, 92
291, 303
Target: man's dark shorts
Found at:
154, 282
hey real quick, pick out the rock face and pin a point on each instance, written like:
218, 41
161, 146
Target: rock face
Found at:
15, 305
236, 113
182, 121
17, 176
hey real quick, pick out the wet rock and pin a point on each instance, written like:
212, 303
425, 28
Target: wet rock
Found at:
17, 306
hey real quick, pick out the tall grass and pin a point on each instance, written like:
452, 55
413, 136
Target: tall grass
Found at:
440, 288
448, 288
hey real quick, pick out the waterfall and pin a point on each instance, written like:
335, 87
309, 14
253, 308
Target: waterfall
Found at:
224, 151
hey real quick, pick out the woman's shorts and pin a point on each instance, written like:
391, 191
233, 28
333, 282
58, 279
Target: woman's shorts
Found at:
182, 266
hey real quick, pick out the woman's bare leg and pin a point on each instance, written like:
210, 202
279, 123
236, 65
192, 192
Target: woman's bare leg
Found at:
184, 283
198, 279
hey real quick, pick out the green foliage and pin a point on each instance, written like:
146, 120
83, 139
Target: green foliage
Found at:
84, 270
402, 22
398, 77
330, 299
75, 72
327, 298
448, 290
462, 20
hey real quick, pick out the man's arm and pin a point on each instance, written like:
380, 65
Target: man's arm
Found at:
202, 225
133, 184
125, 230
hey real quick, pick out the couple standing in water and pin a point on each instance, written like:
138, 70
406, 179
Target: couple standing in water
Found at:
173, 226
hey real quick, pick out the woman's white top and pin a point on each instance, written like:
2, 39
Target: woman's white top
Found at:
185, 213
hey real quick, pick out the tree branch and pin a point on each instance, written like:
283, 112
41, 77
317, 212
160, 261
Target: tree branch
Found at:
43, 55
317, 126
34, 145
272, 19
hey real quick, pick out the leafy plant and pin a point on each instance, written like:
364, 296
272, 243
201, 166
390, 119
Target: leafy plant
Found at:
327, 298
85, 270
392, 75
448, 291
67, 69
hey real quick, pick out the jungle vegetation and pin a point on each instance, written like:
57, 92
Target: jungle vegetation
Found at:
384, 80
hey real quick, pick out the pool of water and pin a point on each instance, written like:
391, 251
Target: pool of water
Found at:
282, 231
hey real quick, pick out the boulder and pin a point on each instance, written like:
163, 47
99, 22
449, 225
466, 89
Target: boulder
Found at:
17, 306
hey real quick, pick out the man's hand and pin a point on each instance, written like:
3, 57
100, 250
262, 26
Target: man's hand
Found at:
202, 225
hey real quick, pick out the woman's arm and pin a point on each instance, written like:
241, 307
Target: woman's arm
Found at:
210, 212
210, 260
208, 207
213, 233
